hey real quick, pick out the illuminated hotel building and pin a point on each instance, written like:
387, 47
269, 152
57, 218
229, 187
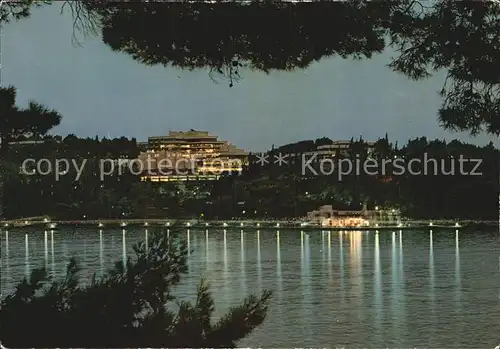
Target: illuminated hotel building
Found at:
190, 155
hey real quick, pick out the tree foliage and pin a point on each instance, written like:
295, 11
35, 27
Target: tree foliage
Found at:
460, 37
15, 122
14, 10
132, 306
286, 191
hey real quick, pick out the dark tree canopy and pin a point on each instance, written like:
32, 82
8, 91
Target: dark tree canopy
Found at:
16, 9
263, 36
16, 122
461, 37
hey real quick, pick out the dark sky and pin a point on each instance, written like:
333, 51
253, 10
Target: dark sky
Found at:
100, 92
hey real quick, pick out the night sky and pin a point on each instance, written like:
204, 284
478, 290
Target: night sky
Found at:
101, 92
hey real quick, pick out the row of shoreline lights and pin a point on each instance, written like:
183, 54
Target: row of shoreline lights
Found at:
123, 224
188, 224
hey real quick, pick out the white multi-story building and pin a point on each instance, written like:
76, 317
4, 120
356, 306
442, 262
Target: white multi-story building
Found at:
190, 155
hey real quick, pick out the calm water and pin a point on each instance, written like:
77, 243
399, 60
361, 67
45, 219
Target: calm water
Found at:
392, 289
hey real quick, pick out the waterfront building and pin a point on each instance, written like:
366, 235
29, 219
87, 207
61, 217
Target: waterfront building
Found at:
190, 155
326, 216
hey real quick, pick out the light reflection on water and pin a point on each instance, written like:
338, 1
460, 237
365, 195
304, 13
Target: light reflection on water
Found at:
124, 247
46, 249
432, 282
101, 253
26, 257
242, 262
377, 287
52, 251
354, 291
259, 264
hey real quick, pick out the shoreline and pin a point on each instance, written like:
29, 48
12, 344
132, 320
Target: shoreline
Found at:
242, 224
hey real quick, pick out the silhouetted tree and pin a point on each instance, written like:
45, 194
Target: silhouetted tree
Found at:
133, 306
277, 190
36, 120
15, 123
460, 37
